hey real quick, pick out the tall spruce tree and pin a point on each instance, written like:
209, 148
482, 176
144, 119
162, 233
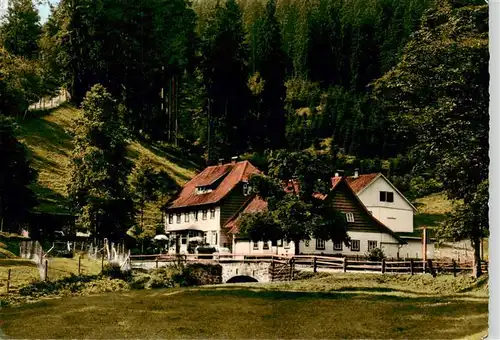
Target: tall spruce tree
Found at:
98, 189
224, 68
16, 198
21, 31
269, 61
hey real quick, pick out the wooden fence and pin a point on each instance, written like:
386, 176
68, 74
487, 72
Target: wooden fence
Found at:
319, 263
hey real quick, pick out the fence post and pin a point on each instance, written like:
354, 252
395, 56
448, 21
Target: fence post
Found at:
411, 266
345, 265
79, 264
156, 263
272, 271
383, 266
431, 270
46, 269
315, 264
8, 280
102, 260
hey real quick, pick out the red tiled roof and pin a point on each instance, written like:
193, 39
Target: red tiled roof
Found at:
359, 183
257, 204
234, 173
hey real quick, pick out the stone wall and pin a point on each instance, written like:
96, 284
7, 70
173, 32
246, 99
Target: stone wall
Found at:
256, 270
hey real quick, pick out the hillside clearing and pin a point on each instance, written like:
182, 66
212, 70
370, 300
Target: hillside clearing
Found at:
50, 147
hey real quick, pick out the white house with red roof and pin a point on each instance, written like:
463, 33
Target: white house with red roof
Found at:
206, 203
384, 201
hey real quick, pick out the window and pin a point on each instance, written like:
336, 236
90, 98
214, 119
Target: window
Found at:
178, 218
337, 245
192, 234
186, 217
205, 236
204, 214
306, 243
214, 238
372, 245
320, 244
266, 245
212, 213
280, 243
246, 189
287, 244
386, 196
195, 215
184, 239
170, 218
349, 217
355, 245
255, 245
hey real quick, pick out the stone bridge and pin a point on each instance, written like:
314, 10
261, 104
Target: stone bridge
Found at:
235, 271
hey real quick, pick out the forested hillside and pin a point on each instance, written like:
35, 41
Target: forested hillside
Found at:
381, 85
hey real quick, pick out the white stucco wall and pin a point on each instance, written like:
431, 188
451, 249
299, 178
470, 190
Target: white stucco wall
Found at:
209, 226
397, 215
414, 249
384, 241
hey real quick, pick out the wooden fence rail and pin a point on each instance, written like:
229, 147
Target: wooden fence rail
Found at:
318, 263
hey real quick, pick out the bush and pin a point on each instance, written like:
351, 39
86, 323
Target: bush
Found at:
375, 254
114, 271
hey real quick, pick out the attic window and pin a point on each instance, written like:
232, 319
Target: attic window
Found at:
203, 189
349, 217
246, 189
386, 196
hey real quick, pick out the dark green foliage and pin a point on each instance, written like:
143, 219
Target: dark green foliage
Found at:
99, 169
20, 32
225, 74
437, 97
16, 198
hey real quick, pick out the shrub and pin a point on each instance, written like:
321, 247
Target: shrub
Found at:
375, 254
114, 271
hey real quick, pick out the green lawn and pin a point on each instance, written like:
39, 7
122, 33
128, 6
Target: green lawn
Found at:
324, 308
24, 272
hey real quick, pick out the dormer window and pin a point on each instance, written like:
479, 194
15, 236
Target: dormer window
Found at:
246, 189
203, 189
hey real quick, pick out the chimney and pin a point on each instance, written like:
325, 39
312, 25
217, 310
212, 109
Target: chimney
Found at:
336, 174
221, 160
234, 159
339, 173
356, 173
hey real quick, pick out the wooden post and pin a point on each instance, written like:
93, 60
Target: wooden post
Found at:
454, 268
156, 263
345, 265
411, 266
79, 264
383, 266
431, 270
272, 271
102, 261
46, 269
315, 264
8, 280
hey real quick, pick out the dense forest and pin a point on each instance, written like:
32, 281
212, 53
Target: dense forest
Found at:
381, 85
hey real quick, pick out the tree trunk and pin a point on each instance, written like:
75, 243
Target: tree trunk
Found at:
476, 266
296, 244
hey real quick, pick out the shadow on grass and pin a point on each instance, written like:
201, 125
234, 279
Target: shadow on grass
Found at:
49, 200
47, 135
16, 263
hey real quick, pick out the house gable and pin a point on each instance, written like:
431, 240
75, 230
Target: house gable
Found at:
345, 200
368, 186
